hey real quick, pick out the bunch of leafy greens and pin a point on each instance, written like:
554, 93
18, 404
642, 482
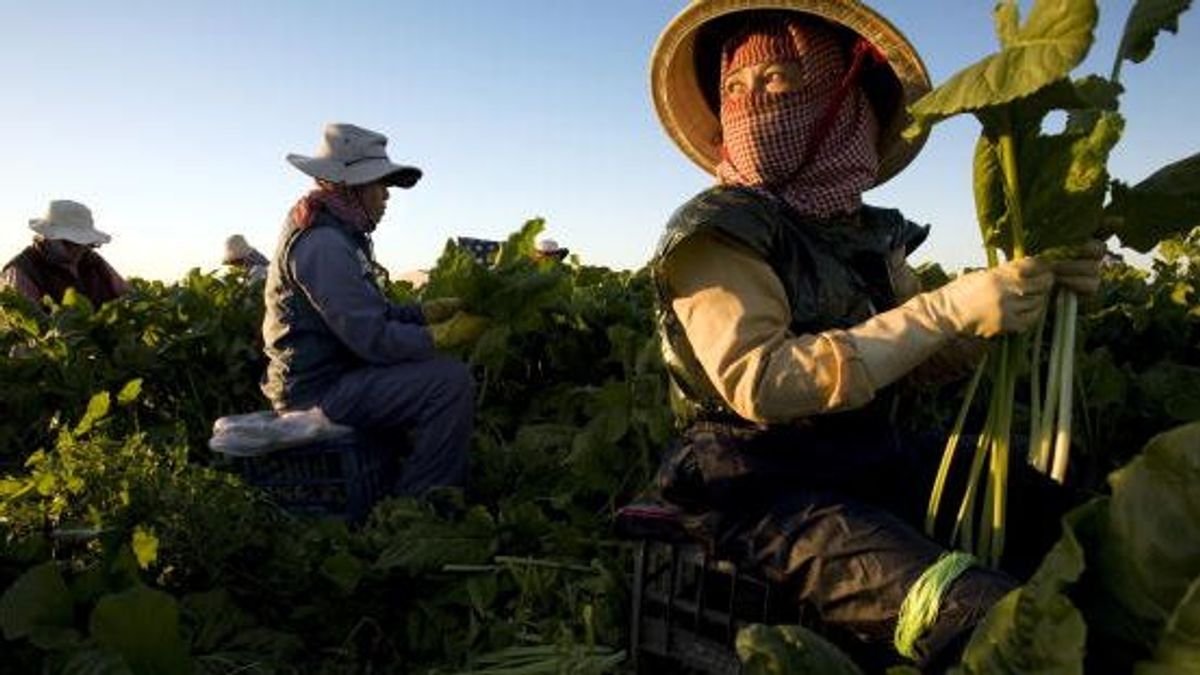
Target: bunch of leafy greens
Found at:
1044, 193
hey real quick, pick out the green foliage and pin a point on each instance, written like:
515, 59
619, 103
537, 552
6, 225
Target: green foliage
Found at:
37, 602
1053, 40
1164, 205
114, 481
1150, 553
194, 347
1035, 628
1124, 575
787, 650
1145, 21
142, 626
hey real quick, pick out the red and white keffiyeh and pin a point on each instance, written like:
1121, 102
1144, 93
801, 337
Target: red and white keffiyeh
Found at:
813, 147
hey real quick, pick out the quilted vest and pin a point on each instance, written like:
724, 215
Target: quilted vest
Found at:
305, 356
834, 271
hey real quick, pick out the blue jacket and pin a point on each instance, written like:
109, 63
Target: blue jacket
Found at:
326, 314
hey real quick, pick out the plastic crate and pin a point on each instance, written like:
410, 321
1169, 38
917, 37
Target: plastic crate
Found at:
341, 477
688, 605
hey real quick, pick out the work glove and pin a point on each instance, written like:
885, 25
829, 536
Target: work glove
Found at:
457, 331
1004, 299
440, 309
1080, 271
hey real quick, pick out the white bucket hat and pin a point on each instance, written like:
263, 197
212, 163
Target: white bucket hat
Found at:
69, 221
236, 248
352, 155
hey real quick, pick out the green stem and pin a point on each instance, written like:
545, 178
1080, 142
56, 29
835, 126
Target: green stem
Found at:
965, 521
1042, 446
939, 483
1000, 452
1062, 441
1012, 188
1035, 382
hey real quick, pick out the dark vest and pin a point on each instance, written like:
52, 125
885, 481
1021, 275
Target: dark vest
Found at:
305, 356
94, 279
834, 272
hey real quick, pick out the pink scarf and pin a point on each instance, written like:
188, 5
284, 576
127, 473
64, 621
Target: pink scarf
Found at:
341, 202
814, 147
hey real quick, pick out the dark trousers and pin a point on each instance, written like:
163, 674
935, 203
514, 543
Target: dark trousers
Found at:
835, 520
433, 399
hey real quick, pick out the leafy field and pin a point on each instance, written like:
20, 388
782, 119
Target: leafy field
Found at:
125, 548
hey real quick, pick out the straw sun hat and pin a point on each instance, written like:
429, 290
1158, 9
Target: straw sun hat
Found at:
351, 155
685, 66
69, 221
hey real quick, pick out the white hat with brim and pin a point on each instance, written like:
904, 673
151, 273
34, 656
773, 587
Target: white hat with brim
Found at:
351, 155
69, 221
686, 98
236, 248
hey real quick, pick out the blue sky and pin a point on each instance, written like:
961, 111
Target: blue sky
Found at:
171, 119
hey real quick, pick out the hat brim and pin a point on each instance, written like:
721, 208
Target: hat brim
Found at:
76, 235
690, 115
361, 173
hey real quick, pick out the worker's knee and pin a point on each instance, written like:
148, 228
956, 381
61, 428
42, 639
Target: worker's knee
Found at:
454, 383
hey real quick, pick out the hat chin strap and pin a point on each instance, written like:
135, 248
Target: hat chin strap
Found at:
863, 50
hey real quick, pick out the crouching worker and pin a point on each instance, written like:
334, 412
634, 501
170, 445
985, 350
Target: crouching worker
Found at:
785, 312
63, 256
335, 341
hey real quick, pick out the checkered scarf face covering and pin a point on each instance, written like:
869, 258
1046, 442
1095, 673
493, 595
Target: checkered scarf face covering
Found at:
770, 139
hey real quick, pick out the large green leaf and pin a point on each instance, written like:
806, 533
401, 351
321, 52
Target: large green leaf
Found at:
1165, 204
1062, 177
788, 650
991, 208
1052, 41
1178, 650
39, 598
142, 625
1150, 552
1035, 628
1146, 19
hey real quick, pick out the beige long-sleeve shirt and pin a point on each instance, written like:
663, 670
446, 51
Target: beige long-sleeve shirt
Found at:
735, 313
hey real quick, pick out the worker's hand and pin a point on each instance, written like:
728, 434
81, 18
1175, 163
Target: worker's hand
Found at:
440, 309
1007, 298
1079, 270
459, 330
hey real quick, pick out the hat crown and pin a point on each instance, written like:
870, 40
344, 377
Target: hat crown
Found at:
349, 143
70, 221
67, 213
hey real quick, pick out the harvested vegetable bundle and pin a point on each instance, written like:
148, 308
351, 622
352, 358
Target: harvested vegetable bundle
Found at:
1044, 194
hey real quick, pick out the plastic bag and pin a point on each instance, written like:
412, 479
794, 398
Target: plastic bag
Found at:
265, 431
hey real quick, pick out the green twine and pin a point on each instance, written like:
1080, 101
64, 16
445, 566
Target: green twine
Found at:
920, 608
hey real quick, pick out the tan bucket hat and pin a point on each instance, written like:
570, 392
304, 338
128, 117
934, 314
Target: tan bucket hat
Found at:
686, 61
69, 221
351, 155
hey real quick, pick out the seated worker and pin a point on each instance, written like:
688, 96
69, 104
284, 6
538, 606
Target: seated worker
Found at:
62, 256
239, 254
335, 341
786, 310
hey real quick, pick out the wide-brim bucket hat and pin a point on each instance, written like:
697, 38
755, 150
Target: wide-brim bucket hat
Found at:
66, 220
352, 155
685, 66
